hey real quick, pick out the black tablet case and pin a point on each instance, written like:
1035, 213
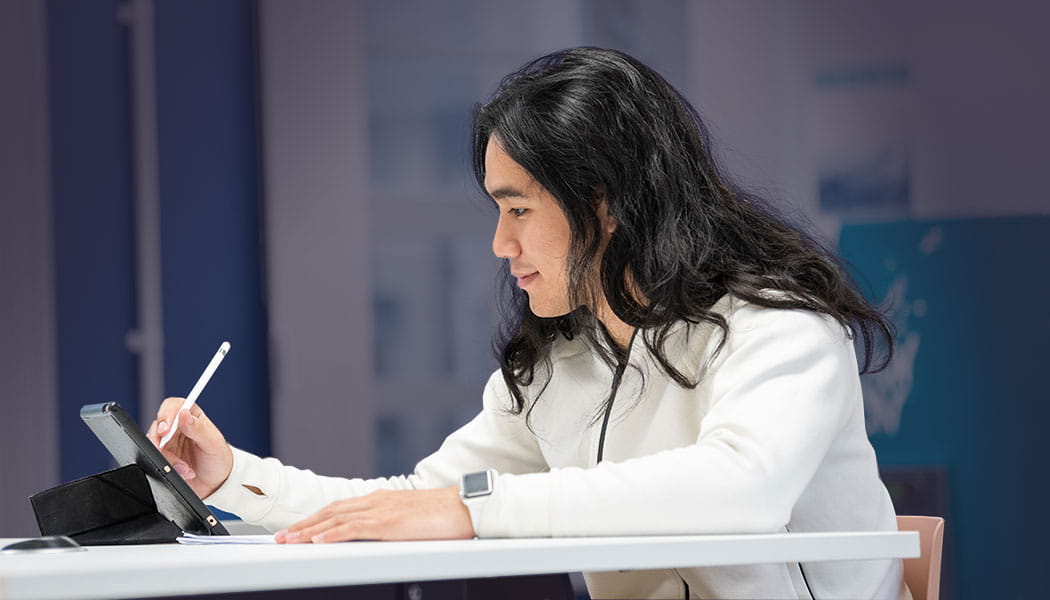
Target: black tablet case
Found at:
144, 501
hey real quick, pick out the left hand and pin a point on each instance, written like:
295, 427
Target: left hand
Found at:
386, 515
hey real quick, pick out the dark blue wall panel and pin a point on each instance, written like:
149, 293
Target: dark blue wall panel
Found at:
210, 212
210, 220
92, 211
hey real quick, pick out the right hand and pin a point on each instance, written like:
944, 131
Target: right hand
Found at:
198, 451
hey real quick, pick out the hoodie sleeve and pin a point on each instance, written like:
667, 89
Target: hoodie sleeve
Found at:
782, 389
265, 492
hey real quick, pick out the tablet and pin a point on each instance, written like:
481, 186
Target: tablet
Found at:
119, 433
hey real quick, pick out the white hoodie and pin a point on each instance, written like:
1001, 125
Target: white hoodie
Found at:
771, 440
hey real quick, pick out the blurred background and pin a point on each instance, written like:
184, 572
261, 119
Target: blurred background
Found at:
293, 177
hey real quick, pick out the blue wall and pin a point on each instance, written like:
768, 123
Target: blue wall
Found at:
210, 219
977, 405
210, 212
92, 210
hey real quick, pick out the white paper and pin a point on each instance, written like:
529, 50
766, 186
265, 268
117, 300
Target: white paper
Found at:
195, 539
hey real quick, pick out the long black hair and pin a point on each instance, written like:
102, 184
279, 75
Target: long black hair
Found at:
592, 125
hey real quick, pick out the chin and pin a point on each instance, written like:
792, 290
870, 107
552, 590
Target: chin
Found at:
548, 312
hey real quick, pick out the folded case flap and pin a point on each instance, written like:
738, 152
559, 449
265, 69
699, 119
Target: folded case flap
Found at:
113, 507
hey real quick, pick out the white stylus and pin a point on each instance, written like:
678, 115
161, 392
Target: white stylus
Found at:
197, 389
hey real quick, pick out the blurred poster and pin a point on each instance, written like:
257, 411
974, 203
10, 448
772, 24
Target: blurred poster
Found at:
859, 125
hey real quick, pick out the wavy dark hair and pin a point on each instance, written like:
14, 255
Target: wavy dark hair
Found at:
592, 125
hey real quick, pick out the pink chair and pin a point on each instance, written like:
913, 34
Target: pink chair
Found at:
923, 574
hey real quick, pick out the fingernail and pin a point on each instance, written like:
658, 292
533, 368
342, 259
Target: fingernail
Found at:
181, 468
292, 537
279, 536
162, 427
190, 419
318, 539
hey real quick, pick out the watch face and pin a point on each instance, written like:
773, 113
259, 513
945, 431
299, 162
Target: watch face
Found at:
477, 484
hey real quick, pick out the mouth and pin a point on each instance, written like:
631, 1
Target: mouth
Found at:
525, 279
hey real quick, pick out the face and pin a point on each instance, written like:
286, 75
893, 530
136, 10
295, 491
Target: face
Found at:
532, 233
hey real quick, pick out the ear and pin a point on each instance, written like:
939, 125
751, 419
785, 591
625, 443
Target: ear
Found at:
608, 221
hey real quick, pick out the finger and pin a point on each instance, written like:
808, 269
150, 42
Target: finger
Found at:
292, 532
175, 460
173, 406
185, 471
346, 506
166, 413
357, 529
337, 529
200, 430
156, 432
308, 534
169, 408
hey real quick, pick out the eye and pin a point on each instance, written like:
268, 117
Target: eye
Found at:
517, 212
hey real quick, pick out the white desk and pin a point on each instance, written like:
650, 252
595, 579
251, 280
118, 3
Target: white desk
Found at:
148, 571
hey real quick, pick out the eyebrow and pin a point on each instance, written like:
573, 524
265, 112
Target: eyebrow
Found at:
506, 192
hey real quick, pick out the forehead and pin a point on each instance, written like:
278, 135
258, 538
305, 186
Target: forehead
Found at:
502, 173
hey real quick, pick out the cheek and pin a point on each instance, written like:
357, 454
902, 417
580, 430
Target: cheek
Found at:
546, 247
556, 270
555, 255
556, 241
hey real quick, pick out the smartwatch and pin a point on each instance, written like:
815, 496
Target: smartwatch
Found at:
476, 485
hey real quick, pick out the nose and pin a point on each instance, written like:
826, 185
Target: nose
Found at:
504, 242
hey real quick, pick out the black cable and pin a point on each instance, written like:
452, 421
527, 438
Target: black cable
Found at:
617, 377
608, 407
806, 581
802, 571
